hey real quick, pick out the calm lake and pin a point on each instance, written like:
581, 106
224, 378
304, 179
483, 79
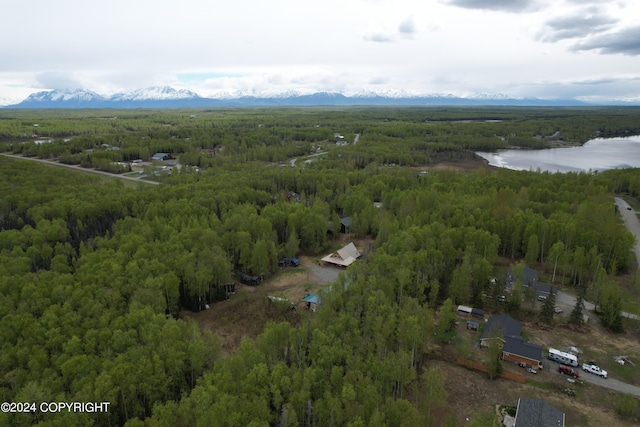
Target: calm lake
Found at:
596, 155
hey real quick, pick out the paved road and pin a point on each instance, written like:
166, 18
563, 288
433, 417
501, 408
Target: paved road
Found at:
78, 168
567, 301
610, 383
631, 222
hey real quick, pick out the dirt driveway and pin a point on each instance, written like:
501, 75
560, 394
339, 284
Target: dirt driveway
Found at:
319, 274
294, 283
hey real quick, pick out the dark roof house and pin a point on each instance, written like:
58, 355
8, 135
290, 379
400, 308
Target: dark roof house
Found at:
501, 326
544, 289
161, 156
537, 413
514, 348
530, 277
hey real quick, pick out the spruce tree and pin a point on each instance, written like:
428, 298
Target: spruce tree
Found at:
577, 313
546, 313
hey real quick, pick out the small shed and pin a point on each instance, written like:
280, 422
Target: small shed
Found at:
249, 280
312, 300
345, 224
472, 326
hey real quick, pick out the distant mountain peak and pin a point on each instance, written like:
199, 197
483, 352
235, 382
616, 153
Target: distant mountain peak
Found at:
154, 93
496, 95
64, 95
169, 97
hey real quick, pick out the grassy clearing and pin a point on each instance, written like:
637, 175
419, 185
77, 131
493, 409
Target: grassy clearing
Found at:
291, 272
244, 315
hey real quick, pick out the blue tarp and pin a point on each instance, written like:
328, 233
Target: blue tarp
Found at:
312, 298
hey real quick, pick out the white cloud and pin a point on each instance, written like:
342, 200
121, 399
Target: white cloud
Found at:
422, 46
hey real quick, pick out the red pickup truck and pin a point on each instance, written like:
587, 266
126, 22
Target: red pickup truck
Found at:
568, 371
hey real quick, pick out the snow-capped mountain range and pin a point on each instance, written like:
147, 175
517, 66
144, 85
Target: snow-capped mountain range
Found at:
155, 93
168, 97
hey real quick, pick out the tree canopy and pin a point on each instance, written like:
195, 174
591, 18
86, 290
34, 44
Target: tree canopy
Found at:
95, 275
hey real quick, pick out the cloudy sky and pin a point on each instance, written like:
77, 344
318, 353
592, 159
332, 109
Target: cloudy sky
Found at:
588, 49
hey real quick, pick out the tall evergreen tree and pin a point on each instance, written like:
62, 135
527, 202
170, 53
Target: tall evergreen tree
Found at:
577, 314
546, 313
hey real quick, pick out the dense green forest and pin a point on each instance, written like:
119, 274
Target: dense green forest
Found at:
95, 274
403, 136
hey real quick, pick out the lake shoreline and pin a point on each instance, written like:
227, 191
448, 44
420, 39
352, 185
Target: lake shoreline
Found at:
597, 154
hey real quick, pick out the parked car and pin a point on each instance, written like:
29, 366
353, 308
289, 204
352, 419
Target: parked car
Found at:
594, 369
286, 262
567, 370
531, 370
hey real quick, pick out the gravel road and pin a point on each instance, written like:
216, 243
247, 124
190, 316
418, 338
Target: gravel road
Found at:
567, 301
631, 222
610, 383
78, 168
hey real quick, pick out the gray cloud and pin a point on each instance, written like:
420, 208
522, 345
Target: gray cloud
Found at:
513, 6
588, 1
605, 81
407, 27
379, 38
58, 80
570, 27
626, 42
378, 80
405, 30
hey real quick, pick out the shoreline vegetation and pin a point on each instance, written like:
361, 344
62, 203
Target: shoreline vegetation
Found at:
156, 298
